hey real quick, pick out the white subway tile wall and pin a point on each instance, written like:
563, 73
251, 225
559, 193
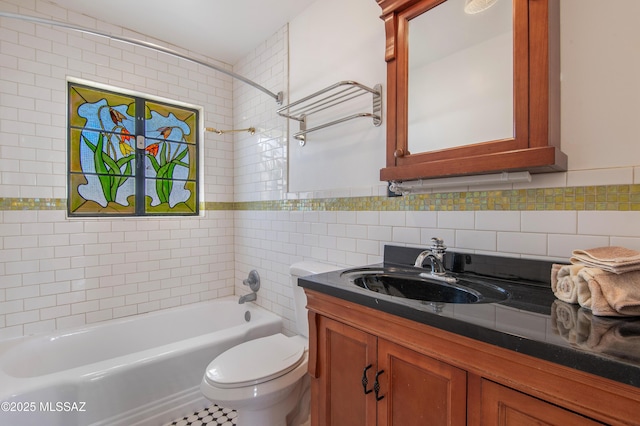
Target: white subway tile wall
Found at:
599, 177
260, 160
258, 247
57, 272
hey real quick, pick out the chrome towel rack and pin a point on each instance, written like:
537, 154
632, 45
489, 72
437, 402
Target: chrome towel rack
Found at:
328, 97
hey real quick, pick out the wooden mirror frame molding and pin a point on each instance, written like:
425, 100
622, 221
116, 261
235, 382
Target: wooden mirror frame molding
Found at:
536, 76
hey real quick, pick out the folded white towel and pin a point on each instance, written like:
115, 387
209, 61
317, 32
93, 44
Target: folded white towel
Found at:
609, 294
604, 293
611, 259
565, 282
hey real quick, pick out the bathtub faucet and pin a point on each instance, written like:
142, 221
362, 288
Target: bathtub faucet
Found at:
247, 298
253, 281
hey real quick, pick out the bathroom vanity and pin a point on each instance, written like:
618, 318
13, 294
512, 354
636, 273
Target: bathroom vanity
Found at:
377, 359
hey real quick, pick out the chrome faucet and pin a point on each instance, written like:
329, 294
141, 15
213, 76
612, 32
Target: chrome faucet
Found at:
435, 254
253, 282
250, 297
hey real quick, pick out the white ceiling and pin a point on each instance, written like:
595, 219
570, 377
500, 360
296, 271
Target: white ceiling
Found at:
225, 30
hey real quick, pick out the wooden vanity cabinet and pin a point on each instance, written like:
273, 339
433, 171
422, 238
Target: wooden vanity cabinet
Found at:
367, 381
427, 376
344, 353
503, 406
418, 390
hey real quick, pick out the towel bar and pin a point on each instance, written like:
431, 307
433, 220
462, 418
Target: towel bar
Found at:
328, 97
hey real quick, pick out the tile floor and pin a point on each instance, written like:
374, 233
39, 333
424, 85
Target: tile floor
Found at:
211, 416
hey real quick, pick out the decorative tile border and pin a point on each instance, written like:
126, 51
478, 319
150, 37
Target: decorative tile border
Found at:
606, 197
33, 204
611, 197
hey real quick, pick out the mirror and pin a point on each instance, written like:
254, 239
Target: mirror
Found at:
446, 116
461, 86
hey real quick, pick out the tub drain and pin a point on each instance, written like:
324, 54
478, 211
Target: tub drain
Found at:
247, 316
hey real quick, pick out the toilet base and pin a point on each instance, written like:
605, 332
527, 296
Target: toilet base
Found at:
292, 411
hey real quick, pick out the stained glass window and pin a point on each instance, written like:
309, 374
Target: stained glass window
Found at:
130, 156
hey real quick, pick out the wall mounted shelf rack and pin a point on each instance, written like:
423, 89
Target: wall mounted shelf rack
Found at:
328, 97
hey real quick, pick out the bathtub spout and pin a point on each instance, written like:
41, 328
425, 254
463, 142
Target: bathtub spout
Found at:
253, 282
247, 298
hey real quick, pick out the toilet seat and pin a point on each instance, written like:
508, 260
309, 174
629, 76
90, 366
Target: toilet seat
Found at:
256, 361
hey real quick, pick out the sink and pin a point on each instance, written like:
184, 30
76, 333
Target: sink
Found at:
417, 284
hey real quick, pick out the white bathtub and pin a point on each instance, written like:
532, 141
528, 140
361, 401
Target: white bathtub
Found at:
141, 370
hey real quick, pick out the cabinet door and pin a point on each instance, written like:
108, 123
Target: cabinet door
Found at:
502, 406
419, 390
343, 354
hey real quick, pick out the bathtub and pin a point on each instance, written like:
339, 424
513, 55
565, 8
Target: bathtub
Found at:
140, 370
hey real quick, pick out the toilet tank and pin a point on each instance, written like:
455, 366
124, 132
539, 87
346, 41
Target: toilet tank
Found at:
302, 269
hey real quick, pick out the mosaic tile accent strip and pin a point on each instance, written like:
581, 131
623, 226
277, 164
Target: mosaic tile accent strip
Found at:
33, 204
605, 197
611, 197
216, 206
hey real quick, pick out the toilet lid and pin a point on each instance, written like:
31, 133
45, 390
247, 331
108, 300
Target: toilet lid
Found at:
255, 361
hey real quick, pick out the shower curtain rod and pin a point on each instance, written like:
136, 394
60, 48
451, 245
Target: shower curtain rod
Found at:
277, 97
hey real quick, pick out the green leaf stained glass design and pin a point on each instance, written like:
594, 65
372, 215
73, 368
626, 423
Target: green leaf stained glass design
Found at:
104, 173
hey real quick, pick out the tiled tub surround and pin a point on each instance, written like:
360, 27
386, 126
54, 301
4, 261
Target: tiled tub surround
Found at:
57, 273
143, 369
530, 322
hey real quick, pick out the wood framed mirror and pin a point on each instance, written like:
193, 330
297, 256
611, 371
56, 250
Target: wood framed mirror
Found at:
529, 140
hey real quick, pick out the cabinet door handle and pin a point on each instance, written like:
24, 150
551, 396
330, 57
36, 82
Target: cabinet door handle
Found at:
365, 381
376, 386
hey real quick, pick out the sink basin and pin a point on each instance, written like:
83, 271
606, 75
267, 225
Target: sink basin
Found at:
416, 284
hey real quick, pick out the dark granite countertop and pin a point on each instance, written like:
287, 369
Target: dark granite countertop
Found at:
531, 321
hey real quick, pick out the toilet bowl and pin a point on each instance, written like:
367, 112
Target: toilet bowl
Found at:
265, 380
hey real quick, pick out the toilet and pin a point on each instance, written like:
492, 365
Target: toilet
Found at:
265, 380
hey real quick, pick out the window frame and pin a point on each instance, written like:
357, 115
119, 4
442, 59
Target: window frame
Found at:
139, 146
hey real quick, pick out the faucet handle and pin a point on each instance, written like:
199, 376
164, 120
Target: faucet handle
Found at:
253, 280
437, 245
